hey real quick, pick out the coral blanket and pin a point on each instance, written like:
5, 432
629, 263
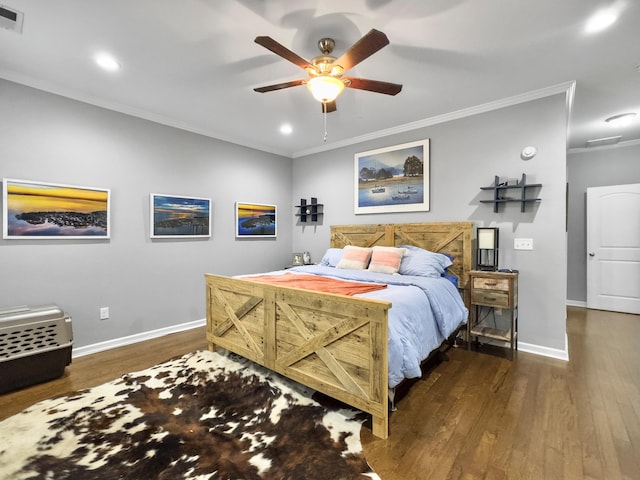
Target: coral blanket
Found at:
317, 283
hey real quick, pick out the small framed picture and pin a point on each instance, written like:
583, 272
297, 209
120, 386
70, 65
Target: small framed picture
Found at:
297, 260
255, 220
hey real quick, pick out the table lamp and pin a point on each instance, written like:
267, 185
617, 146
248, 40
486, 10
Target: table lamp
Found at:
487, 254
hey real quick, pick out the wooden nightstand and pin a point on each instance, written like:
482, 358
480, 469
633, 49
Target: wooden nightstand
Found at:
497, 290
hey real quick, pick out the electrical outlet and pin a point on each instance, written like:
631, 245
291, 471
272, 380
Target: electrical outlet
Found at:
523, 243
104, 313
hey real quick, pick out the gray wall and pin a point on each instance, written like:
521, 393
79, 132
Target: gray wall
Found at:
154, 284
465, 155
147, 284
618, 165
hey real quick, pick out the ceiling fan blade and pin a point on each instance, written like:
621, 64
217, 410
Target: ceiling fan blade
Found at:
363, 48
280, 86
279, 49
372, 85
329, 107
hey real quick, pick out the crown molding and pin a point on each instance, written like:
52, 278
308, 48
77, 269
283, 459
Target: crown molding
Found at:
131, 111
567, 88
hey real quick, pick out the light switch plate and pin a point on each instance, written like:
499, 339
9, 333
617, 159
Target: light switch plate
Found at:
523, 243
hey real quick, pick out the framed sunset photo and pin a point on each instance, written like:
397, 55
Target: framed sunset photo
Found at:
255, 220
39, 210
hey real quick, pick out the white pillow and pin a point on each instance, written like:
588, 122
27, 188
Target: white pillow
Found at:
354, 258
386, 259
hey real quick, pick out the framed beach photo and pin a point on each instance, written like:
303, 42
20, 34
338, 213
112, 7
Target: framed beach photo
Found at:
39, 210
255, 220
392, 179
176, 216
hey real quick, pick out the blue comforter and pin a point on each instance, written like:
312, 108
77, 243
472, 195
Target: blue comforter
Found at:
424, 313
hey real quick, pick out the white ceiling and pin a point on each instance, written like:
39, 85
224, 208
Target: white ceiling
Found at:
193, 63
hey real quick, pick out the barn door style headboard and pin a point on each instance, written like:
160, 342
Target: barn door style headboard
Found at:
453, 238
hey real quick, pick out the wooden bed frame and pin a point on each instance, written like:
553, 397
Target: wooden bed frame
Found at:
331, 343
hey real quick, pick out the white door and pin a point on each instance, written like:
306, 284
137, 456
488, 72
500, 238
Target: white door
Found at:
613, 248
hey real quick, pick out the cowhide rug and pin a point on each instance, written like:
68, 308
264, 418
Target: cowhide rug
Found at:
202, 416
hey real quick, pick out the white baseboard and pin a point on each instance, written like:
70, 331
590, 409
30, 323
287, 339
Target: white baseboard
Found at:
139, 337
546, 351
576, 303
535, 349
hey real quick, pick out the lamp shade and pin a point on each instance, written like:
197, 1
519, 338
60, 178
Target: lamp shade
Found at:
325, 88
487, 238
487, 252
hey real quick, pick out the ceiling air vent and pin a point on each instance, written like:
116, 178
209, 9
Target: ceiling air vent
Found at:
599, 142
11, 19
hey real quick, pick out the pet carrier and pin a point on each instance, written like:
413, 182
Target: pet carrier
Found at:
35, 345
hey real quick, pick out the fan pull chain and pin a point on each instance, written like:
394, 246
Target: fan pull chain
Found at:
324, 115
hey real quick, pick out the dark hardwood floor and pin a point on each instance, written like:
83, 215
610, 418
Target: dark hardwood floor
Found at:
473, 416
92, 370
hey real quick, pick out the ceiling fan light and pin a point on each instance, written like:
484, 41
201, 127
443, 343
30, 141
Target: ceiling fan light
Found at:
325, 88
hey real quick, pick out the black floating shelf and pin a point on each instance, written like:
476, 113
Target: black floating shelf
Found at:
500, 190
309, 212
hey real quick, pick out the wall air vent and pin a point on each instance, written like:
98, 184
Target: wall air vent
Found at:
11, 19
599, 142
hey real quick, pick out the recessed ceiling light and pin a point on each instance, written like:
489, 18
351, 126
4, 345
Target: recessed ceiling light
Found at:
286, 129
600, 21
621, 120
107, 62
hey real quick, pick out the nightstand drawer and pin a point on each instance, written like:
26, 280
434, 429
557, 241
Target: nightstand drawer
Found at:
490, 298
491, 283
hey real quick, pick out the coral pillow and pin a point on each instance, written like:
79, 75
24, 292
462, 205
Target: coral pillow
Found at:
354, 258
386, 259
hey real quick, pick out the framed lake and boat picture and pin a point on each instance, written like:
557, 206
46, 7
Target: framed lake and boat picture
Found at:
393, 179
39, 210
255, 220
176, 216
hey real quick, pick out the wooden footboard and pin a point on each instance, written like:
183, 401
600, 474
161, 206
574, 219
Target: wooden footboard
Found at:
334, 344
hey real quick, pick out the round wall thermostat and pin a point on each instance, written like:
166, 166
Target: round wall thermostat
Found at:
528, 152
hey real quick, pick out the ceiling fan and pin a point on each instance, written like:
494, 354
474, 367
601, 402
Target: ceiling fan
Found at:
325, 80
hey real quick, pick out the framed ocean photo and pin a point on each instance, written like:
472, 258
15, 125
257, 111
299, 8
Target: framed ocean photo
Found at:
255, 220
393, 179
39, 210
176, 216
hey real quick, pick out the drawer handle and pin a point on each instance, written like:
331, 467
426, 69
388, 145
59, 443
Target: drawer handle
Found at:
490, 299
491, 284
